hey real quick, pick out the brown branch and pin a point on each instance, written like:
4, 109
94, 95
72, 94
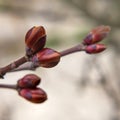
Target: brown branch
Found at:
31, 66
74, 49
96, 35
14, 87
12, 66
25, 66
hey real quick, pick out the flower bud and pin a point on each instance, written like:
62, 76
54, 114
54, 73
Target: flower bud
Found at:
36, 95
35, 39
28, 81
46, 58
96, 35
95, 48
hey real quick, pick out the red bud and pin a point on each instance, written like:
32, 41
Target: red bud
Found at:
29, 81
35, 39
95, 48
47, 58
36, 95
96, 35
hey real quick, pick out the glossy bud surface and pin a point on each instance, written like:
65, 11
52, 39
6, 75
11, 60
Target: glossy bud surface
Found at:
47, 58
36, 95
95, 48
29, 81
96, 35
35, 39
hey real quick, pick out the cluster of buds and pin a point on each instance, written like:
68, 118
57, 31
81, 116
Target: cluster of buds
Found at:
35, 40
96, 35
36, 53
27, 88
46, 57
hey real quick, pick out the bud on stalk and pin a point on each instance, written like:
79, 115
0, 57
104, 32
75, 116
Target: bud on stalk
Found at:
36, 95
95, 48
28, 81
35, 39
46, 58
96, 35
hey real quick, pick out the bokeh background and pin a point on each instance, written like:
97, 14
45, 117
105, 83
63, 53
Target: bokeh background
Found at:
82, 86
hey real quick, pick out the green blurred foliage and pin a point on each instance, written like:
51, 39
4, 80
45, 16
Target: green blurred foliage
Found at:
53, 41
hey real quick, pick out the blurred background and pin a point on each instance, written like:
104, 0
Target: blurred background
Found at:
81, 86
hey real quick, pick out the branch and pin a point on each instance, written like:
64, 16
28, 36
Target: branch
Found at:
74, 49
12, 66
14, 87
31, 66
47, 57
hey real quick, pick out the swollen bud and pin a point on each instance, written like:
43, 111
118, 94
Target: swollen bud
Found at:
46, 58
28, 81
95, 48
96, 35
35, 39
36, 95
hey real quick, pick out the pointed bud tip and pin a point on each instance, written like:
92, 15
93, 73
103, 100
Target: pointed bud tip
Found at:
95, 48
101, 29
35, 39
96, 35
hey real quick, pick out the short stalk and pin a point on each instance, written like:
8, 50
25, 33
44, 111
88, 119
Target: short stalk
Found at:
74, 49
14, 87
12, 66
30, 66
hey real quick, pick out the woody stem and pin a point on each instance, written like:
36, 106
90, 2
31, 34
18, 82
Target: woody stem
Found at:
74, 49
14, 87
12, 66
15, 65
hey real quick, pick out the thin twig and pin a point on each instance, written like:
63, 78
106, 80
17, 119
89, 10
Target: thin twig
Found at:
30, 66
74, 49
14, 87
12, 66
25, 66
